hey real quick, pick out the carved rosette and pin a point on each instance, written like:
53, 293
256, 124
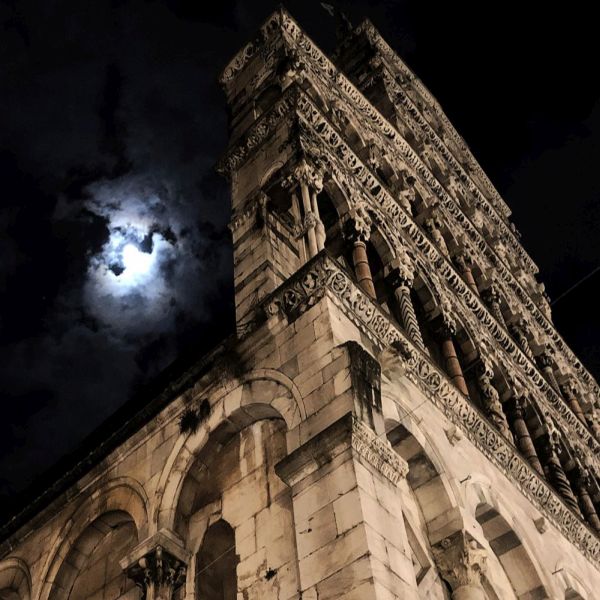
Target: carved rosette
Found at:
461, 561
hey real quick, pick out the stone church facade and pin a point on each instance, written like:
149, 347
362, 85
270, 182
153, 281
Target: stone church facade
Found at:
396, 417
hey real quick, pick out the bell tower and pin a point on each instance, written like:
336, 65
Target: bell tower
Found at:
366, 235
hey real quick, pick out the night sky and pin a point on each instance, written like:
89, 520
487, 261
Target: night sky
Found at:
115, 257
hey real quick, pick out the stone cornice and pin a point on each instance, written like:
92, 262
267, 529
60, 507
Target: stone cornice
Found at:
321, 276
348, 432
382, 46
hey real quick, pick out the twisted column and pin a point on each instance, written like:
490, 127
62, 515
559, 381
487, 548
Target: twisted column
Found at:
400, 279
522, 435
358, 231
520, 331
310, 181
461, 562
464, 263
491, 400
582, 483
553, 467
319, 227
433, 226
546, 363
569, 392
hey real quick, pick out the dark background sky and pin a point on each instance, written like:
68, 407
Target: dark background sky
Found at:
111, 121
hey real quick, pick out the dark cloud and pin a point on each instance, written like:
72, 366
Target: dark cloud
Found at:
111, 121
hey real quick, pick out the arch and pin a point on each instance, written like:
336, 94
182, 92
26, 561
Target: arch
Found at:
121, 498
570, 584
262, 394
437, 499
507, 540
216, 563
15, 579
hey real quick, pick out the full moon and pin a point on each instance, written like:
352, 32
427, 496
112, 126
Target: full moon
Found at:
135, 261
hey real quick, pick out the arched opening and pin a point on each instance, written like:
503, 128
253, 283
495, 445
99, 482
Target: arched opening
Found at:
511, 554
15, 581
91, 567
426, 507
216, 564
229, 500
426, 307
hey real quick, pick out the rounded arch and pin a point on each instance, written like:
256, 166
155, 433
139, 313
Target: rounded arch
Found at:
15, 579
121, 499
216, 560
426, 477
507, 540
262, 394
570, 584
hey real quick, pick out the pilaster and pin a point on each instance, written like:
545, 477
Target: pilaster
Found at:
350, 534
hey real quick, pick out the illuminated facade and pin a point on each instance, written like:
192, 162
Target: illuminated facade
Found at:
397, 416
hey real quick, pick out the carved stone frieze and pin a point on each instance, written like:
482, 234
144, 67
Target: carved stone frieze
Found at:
378, 452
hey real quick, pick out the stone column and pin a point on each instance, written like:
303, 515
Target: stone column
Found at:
462, 562
491, 400
319, 227
157, 566
569, 391
582, 487
553, 466
432, 226
358, 230
519, 330
447, 332
522, 436
310, 182
491, 297
546, 364
400, 279
348, 526
465, 266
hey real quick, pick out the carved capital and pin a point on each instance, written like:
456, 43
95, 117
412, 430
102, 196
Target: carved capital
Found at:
157, 566
492, 294
305, 173
348, 432
545, 358
357, 228
463, 260
461, 560
569, 389
401, 272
